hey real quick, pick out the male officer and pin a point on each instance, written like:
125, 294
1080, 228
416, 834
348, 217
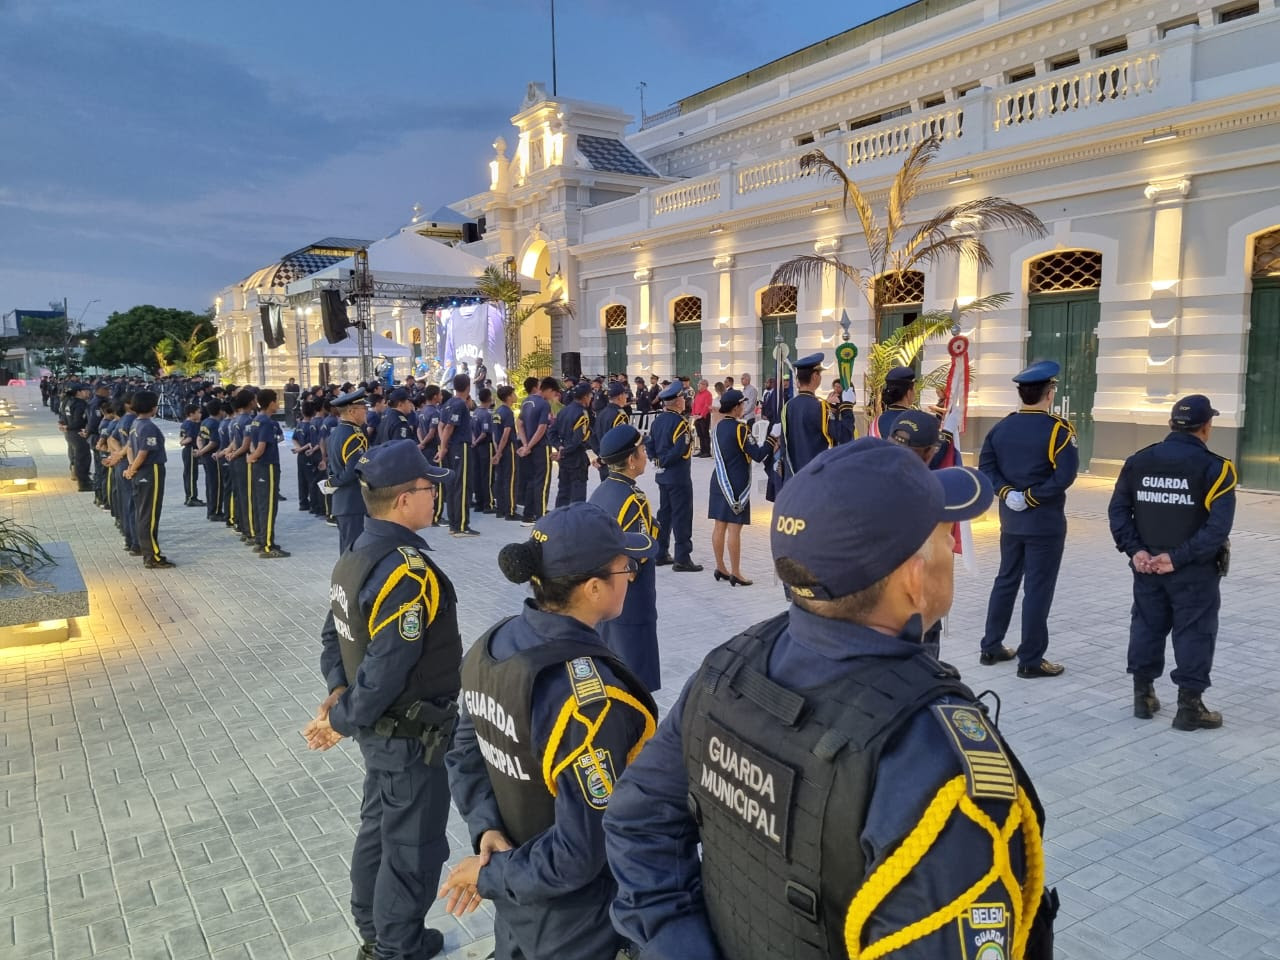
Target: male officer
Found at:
391, 661
241, 480
347, 443
207, 443
117, 461
429, 421
455, 455
504, 455
263, 457
97, 411
850, 799
573, 426
188, 440
898, 395
1171, 512
670, 445
77, 435
375, 411
394, 424
482, 450
1030, 457
633, 634
809, 424
613, 415
145, 471
535, 448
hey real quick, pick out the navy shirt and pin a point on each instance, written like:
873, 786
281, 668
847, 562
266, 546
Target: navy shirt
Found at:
264, 429
1032, 452
535, 412
482, 426
670, 445
146, 435
455, 414
210, 432
189, 430
504, 419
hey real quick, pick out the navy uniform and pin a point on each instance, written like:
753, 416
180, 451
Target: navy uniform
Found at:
241, 471
633, 634
302, 459
391, 640
505, 442
394, 424
733, 449
229, 504
1177, 499
189, 438
535, 414
1031, 459
610, 416
670, 445
347, 443
264, 474
559, 719
148, 489
901, 377
125, 513
97, 410
482, 458
77, 422
429, 439
573, 428
809, 424
456, 415
805, 751
209, 436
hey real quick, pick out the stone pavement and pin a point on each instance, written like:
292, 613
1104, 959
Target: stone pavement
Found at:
158, 801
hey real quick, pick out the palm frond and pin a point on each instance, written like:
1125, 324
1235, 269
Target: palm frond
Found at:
906, 184
988, 213
964, 246
817, 161
850, 196
811, 267
992, 301
935, 379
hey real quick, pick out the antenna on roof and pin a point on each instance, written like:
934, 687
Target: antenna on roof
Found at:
555, 87
641, 89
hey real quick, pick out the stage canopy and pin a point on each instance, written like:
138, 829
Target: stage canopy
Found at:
348, 348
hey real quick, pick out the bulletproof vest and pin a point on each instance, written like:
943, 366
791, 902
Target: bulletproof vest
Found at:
1169, 488
435, 674
498, 694
780, 781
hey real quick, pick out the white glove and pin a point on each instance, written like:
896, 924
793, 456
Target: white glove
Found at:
849, 396
775, 430
1016, 501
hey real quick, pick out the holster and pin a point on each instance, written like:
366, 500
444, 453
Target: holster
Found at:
1040, 940
430, 722
1223, 559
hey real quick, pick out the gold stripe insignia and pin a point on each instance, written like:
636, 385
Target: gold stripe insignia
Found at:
412, 558
585, 679
986, 766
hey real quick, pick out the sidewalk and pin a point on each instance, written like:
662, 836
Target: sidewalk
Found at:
158, 801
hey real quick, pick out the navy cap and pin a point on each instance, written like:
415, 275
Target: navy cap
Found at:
811, 362
1042, 371
347, 399
915, 428
900, 375
849, 543
671, 392
619, 441
398, 395
582, 538
730, 399
617, 389
1193, 411
395, 462
582, 390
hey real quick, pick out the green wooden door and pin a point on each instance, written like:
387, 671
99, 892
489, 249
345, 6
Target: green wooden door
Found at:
688, 349
1260, 433
769, 327
896, 317
1064, 327
616, 351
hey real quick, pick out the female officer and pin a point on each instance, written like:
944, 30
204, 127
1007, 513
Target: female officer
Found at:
551, 720
730, 502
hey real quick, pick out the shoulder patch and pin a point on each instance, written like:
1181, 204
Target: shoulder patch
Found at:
412, 558
595, 777
981, 754
585, 679
986, 931
411, 622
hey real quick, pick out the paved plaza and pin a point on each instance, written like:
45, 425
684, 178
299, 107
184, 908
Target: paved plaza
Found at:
157, 801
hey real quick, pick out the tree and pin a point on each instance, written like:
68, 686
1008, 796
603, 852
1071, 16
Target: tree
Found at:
952, 231
189, 356
504, 287
131, 338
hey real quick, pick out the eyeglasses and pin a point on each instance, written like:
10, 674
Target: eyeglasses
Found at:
632, 569
429, 486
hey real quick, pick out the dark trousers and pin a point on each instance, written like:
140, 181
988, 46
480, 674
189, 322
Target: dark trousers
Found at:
242, 470
78, 451
350, 526
213, 504
1035, 560
537, 481
128, 519
504, 483
400, 847
1185, 602
482, 475
675, 520
703, 426
190, 476
458, 487
572, 487
306, 482
266, 487
99, 478
148, 499
229, 504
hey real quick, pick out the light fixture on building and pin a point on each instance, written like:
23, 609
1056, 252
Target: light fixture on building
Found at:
718, 228
1160, 136
821, 207
964, 176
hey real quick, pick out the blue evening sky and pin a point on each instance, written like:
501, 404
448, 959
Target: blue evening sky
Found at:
154, 151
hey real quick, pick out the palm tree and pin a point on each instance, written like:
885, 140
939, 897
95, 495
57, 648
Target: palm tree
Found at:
952, 231
504, 287
186, 356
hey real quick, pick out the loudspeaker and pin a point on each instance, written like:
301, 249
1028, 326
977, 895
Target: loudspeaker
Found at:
571, 365
333, 316
272, 331
470, 232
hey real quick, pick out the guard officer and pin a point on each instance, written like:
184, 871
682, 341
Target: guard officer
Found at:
145, 471
551, 720
263, 461
613, 415
455, 454
1171, 513
809, 424
573, 426
897, 395
504, 455
391, 660
97, 411
77, 435
207, 443
633, 634
849, 797
1030, 457
429, 422
670, 446
535, 448
188, 440
347, 443
394, 424
482, 450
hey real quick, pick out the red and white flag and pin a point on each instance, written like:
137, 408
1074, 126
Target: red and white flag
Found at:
953, 422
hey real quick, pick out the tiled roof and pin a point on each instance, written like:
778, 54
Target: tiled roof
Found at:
304, 262
612, 156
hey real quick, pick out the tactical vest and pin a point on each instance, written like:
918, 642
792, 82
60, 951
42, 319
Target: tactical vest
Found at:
435, 674
1169, 489
780, 781
498, 694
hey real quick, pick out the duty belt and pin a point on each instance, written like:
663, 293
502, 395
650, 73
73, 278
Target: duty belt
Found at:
430, 722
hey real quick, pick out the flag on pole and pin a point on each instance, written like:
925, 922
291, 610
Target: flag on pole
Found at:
953, 424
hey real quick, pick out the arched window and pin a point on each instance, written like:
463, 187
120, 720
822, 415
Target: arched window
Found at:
615, 317
1266, 254
1066, 270
778, 301
778, 307
415, 335
388, 334
687, 310
904, 287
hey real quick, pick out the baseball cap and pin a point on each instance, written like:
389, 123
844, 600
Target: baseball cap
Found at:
730, 399
346, 399
582, 538
398, 395
582, 390
900, 375
1193, 411
396, 462
915, 428
849, 542
617, 389
621, 439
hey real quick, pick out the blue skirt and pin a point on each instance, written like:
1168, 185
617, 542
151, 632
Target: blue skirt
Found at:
718, 507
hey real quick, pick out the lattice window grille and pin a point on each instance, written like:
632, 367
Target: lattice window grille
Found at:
415, 335
1266, 255
899, 288
779, 301
615, 317
687, 310
1067, 270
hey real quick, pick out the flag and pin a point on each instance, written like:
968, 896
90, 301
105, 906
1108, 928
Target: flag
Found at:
953, 423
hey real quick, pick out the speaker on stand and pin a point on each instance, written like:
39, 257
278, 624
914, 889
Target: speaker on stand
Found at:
333, 316
571, 365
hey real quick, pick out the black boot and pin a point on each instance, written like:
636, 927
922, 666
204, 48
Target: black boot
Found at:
1145, 702
1193, 714
367, 950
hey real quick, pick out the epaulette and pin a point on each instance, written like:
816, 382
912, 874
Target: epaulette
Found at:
412, 558
986, 766
1063, 420
585, 679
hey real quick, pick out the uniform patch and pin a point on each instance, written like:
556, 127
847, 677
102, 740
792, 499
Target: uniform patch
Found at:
585, 679
981, 754
595, 777
411, 622
412, 558
750, 783
984, 931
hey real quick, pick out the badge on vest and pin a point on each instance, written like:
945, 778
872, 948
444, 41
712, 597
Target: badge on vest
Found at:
412, 559
411, 623
588, 687
981, 754
752, 785
595, 777
984, 931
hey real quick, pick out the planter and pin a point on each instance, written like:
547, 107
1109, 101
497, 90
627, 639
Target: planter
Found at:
40, 613
18, 470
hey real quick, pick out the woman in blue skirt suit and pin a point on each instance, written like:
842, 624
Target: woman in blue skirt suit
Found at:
730, 502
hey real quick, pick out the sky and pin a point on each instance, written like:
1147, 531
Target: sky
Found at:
156, 151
